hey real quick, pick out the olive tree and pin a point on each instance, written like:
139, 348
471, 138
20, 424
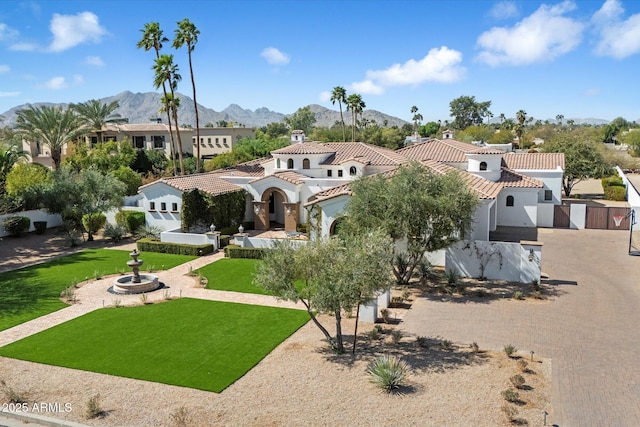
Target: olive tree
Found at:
329, 276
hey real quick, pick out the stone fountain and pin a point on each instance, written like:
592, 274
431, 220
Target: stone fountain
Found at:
136, 283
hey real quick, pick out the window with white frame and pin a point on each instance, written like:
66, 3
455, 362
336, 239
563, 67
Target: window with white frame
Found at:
510, 201
548, 195
158, 141
139, 142
152, 206
163, 207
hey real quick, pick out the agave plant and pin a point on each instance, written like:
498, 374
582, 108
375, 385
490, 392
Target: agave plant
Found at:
388, 372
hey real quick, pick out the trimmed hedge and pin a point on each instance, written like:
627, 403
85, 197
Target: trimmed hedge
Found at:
16, 225
150, 245
614, 192
612, 181
227, 248
131, 220
249, 253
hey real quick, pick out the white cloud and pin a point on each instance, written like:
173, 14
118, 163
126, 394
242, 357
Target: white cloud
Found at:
440, 65
8, 94
619, 38
72, 30
542, 36
94, 61
275, 56
504, 10
23, 47
325, 96
55, 83
4, 69
6, 32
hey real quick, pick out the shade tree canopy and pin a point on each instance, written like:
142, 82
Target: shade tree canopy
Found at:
466, 111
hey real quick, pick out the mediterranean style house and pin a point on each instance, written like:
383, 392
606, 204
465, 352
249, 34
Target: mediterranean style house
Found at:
515, 189
154, 136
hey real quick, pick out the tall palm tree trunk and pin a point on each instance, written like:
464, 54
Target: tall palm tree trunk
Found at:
195, 106
344, 135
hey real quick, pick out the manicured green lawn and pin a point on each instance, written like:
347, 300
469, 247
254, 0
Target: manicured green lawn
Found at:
34, 291
232, 274
193, 343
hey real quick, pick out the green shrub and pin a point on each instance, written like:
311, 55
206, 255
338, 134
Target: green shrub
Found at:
93, 222
388, 372
150, 245
229, 230
40, 226
250, 253
615, 193
510, 350
612, 181
518, 295
511, 396
16, 225
227, 248
452, 277
517, 381
131, 220
523, 365
396, 336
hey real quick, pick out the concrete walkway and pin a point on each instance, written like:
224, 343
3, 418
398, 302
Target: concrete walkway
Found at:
94, 295
590, 330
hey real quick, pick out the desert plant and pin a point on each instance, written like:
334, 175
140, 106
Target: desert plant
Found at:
517, 381
16, 225
202, 281
114, 233
181, 417
510, 350
144, 299
535, 285
397, 301
388, 372
396, 336
94, 409
11, 395
425, 269
452, 277
117, 303
518, 295
166, 295
523, 365
386, 315
373, 334
511, 396
69, 293
446, 345
98, 275
510, 412
151, 268
406, 295
148, 232
474, 347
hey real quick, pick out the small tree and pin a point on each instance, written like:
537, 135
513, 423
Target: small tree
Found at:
333, 275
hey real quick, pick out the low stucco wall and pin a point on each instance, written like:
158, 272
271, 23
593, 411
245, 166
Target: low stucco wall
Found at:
53, 220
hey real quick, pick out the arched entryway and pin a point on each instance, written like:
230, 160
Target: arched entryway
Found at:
275, 199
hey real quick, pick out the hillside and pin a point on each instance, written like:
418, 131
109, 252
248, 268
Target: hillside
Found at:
141, 107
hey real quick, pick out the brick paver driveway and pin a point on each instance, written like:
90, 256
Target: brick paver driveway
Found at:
590, 330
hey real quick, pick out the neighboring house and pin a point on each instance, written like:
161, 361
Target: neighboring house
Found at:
513, 189
153, 136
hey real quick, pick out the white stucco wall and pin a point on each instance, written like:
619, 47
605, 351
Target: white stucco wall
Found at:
545, 214
552, 180
53, 220
482, 220
523, 213
159, 193
331, 210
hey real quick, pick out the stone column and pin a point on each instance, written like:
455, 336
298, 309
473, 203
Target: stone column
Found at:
260, 215
290, 216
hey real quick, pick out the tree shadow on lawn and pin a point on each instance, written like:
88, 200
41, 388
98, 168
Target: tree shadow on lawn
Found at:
21, 292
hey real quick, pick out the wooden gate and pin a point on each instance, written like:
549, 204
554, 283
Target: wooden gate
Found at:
561, 216
603, 218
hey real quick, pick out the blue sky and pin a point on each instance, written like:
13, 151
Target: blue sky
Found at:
575, 58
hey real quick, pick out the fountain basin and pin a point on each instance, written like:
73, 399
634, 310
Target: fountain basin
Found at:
126, 285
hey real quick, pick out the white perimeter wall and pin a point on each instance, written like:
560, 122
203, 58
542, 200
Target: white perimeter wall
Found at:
523, 213
35, 215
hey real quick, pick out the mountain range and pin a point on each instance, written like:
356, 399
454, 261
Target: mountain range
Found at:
143, 107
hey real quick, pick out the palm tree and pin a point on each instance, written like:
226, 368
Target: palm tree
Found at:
356, 105
152, 38
560, 118
187, 33
167, 71
521, 116
340, 94
53, 126
97, 115
417, 118
9, 156
502, 118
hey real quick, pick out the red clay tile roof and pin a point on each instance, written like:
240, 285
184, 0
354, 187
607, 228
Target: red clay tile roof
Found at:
304, 148
330, 193
484, 188
207, 182
289, 176
533, 160
444, 150
250, 168
364, 153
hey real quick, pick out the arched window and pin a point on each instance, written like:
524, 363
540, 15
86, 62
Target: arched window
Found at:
509, 200
483, 166
278, 163
352, 171
306, 164
290, 164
